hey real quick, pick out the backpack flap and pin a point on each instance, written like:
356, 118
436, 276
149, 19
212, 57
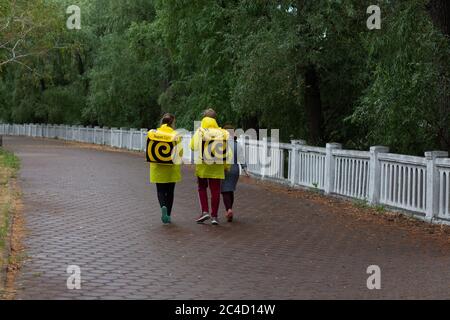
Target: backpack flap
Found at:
161, 147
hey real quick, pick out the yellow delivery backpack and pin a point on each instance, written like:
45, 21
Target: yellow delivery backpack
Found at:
213, 145
162, 147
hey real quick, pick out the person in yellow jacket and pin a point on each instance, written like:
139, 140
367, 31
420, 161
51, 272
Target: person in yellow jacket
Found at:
208, 175
165, 176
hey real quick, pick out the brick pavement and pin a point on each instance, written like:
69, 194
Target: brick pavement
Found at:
96, 209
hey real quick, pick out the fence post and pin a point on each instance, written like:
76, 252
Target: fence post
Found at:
375, 174
120, 138
265, 148
144, 133
329, 167
293, 160
432, 203
112, 136
132, 131
90, 137
243, 142
96, 129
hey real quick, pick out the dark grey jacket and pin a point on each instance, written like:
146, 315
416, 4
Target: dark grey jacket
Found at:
232, 175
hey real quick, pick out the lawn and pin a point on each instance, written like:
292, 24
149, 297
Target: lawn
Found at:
9, 165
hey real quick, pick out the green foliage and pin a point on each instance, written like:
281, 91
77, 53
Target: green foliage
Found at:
9, 164
28, 29
361, 203
380, 209
400, 107
134, 60
9, 160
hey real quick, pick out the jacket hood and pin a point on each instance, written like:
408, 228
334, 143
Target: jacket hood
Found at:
208, 123
165, 128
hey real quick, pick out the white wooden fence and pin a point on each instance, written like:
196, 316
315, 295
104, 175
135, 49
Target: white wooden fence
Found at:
420, 185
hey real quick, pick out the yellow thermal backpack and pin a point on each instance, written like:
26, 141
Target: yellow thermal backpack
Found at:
214, 145
162, 147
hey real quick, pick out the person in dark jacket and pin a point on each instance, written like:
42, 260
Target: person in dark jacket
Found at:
232, 173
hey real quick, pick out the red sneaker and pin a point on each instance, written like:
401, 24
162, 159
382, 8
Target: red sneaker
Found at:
229, 215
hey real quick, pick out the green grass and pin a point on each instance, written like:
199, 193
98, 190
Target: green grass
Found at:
9, 160
9, 165
364, 204
380, 208
360, 203
4, 225
315, 188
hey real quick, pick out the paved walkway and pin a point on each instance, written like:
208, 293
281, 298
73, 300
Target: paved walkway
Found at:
95, 209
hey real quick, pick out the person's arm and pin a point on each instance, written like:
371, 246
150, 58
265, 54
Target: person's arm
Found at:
241, 159
229, 155
180, 149
194, 141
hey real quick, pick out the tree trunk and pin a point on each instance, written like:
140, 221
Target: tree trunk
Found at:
312, 98
80, 64
313, 105
42, 85
250, 122
439, 11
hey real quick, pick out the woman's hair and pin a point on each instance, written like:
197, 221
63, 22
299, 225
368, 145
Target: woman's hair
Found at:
210, 113
168, 119
228, 127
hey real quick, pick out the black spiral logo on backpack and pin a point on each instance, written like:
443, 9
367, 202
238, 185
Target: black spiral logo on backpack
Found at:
214, 151
160, 151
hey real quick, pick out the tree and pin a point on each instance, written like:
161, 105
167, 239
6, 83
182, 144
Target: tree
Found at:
24, 30
128, 68
309, 68
440, 13
401, 105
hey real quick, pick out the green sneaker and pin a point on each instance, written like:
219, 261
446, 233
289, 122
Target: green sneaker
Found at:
164, 217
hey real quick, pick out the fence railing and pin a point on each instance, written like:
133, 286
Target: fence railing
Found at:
420, 185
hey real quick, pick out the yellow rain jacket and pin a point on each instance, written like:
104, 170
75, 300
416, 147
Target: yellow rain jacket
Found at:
165, 173
202, 170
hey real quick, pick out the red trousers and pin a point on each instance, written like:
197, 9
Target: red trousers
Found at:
214, 186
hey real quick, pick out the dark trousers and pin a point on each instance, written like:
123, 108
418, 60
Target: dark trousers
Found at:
228, 200
166, 195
